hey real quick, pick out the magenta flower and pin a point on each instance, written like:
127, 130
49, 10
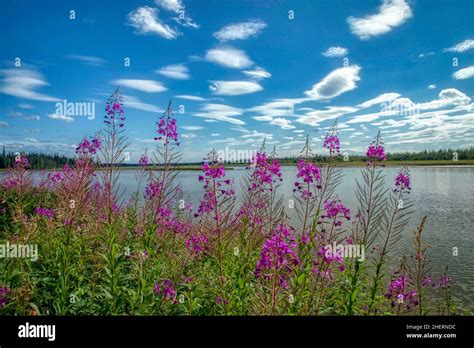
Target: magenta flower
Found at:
56, 177
334, 209
402, 181
197, 245
143, 161
114, 114
278, 255
400, 295
264, 173
215, 186
167, 289
331, 142
21, 162
444, 282
152, 190
4, 296
167, 128
10, 182
48, 213
87, 147
376, 153
310, 174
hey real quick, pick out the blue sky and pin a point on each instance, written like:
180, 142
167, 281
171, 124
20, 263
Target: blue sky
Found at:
240, 71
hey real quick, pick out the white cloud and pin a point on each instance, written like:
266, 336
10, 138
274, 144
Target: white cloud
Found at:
240, 31
65, 118
215, 134
392, 13
25, 106
22, 83
283, 123
178, 8
88, 60
220, 112
145, 21
461, 47
190, 97
175, 71
3, 124
383, 98
314, 117
192, 128
229, 57
258, 73
431, 86
262, 118
465, 73
234, 87
149, 86
135, 103
336, 51
335, 83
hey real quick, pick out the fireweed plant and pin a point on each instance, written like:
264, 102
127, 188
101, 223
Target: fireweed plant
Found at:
155, 254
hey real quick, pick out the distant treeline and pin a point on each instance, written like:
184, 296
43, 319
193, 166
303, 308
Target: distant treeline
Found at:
52, 161
432, 155
37, 160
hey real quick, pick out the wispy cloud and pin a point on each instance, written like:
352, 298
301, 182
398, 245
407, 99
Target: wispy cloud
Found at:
192, 128
87, 60
177, 7
3, 124
465, 73
135, 103
190, 97
145, 20
149, 86
258, 73
175, 71
336, 51
60, 117
22, 83
461, 47
240, 31
229, 57
283, 123
391, 14
220, 112
383, 98
234, 87
335, 83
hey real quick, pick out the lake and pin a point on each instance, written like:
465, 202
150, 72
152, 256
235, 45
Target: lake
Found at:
445, 194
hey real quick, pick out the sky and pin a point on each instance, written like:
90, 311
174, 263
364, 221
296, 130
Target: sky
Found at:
238, 72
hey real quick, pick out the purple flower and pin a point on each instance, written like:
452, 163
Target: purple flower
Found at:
402, 181
143, 161
167, 128
152, 190
444, 281
264, 174
21, 162
279, 253
44, 212
376, 153
197, 245
4, 296
400, 295
215, 186
426, 282
310, 174
335, 208
167, 289
87, 147
331, 142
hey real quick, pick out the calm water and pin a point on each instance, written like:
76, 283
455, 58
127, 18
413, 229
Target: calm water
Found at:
444, 194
